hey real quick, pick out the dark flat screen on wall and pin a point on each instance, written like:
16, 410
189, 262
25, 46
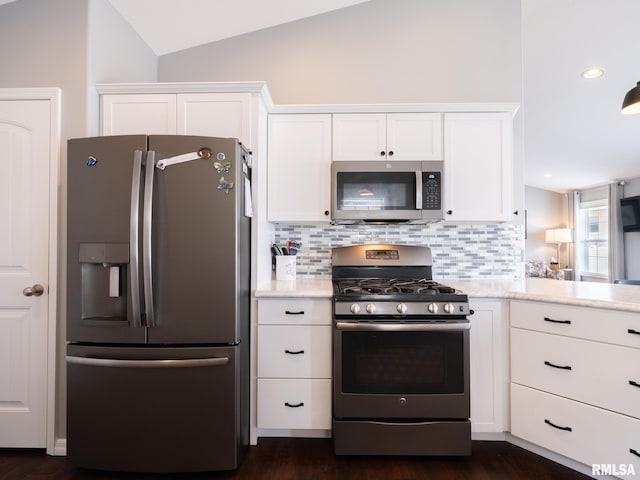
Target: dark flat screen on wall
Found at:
630, 213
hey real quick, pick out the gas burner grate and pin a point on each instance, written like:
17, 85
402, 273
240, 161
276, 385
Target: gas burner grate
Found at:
392, 286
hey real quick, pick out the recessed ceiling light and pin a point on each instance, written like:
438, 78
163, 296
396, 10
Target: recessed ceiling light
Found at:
594, 72
548, 175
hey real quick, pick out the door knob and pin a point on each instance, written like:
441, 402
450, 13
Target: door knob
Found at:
36, 290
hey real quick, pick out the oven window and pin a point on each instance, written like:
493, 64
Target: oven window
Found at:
403, 362
376, 191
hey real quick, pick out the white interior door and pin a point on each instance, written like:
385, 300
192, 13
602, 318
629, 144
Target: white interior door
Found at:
26, 155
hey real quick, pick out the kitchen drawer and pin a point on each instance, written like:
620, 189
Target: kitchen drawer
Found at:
294, 351
596, 436
599, 374
292, 311
621, 328
294, 404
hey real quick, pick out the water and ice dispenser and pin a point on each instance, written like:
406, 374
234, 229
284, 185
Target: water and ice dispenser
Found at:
104, 281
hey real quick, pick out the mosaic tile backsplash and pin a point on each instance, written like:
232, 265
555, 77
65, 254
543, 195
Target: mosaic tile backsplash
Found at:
458, 251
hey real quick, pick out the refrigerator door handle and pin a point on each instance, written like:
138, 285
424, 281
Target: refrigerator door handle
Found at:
134, 264
146, 237
169, 363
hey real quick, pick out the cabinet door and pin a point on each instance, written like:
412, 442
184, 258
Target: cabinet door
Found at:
489, 375
360, 136
215, 115
478, 166
576, 430
571, 367
138, 114
299, 168
414, 136
294, 403
286, 351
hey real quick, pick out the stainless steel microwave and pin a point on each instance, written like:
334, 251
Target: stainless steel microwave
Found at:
386, 192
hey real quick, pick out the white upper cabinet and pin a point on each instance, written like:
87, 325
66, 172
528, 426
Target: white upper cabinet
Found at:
414, 136
218, 114
205, 114
478, 173
398, 136
299, 168
130, 114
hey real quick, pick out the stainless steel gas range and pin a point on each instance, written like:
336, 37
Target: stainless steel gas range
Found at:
401, 355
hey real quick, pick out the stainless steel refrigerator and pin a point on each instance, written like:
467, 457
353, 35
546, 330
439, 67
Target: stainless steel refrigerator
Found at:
158, 297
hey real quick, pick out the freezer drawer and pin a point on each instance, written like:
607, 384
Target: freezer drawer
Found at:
155, 409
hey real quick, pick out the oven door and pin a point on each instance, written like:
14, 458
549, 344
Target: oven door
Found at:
386, 191
401, 370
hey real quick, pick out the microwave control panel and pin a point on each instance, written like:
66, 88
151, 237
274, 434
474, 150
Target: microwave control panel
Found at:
431, 191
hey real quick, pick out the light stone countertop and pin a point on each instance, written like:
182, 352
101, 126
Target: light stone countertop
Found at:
310, 288
585, 294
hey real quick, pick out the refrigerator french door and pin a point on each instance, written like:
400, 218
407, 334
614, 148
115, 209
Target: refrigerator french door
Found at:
157, 303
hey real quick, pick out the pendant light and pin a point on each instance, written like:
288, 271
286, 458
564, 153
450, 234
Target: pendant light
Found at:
631, 102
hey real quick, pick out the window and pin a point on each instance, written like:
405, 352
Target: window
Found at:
594, 237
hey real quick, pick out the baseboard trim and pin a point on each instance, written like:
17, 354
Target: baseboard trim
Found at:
59, 448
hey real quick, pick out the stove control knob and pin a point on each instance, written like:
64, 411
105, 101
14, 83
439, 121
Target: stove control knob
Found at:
355, 308
432, 307
448, 307
401, 308
371, 308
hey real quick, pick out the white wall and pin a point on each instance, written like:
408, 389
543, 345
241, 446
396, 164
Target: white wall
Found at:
382, 51
545, 209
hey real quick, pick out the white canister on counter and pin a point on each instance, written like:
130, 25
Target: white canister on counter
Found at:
285, 267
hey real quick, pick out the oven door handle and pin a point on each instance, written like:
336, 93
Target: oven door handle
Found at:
403, 327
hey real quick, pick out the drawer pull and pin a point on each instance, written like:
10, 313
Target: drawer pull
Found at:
635, 384
291, 405
566, 429
287, 312
562, 367
635, 452
635, 332
297, 352
547, 319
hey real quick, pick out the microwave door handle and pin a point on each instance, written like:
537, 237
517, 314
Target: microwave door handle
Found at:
418, 190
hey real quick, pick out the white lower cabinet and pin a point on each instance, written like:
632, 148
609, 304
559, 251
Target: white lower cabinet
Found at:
575, 390
574, 429
294, 403
294, 364
489, 375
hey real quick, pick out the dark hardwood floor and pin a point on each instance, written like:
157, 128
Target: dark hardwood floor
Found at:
313, 459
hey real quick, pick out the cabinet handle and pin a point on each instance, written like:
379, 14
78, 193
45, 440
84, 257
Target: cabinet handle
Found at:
547, 319
382, 153
634, 332
566, 429
298, 352
326, 212
516, 212
635, 384
449, 212
391, 153
287, 312
635, 452
291, 405
565, 367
